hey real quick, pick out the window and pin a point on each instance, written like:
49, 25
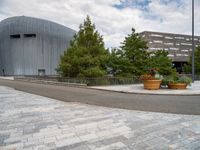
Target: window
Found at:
173, 48
15, 36
184, 50
196, 39
178, 54
152, 48
157, 41
186, 44
179, 37
168, 44
156, 35
170, 55
41, 72
29, 35
182, 55
167, 37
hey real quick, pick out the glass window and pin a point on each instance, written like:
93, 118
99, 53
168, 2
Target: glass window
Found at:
15, 36
29, 35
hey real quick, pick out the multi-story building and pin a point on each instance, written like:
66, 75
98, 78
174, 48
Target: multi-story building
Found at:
179, 46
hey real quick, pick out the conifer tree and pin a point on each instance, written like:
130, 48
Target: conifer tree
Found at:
86, 56
188, 67
134, 48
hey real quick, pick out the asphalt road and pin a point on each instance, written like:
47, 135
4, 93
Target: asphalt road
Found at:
154, 103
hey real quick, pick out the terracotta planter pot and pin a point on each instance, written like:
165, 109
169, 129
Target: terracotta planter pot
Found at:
178, 86
152, 84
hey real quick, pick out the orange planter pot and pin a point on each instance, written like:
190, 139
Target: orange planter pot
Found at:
178, 86
152, 84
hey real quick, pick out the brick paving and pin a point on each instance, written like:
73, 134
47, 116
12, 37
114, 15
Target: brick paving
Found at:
29, 121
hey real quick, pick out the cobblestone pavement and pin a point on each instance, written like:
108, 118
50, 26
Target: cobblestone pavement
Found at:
28, 121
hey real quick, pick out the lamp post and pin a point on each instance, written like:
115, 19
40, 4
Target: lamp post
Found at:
193, 46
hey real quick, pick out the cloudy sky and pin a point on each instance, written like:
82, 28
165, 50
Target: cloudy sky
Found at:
113, 18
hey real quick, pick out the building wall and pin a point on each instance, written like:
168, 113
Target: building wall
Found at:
179, 46
39, 46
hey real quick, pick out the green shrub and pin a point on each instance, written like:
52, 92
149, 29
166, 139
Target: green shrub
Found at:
176, 79
185, 79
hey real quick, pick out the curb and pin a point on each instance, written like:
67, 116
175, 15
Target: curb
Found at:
159, 94
107, 90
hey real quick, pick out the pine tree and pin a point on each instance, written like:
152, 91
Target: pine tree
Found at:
86, 56
135, 49
160, 60
188, 67
119, 65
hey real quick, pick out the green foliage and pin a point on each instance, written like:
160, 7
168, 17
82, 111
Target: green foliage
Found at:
188, 68
119, 65
185, 79
160, 60
134, 49
131, 58
86, 56
176, 79
167, 79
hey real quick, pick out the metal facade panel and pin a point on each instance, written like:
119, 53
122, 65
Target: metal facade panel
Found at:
25, 55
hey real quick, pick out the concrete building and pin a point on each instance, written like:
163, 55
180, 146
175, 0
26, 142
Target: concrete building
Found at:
179, 46
31, 46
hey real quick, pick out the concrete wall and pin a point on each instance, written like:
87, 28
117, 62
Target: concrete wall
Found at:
25, 55
179, 46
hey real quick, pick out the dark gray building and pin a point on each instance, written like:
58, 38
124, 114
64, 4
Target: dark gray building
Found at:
31, 46
179, 46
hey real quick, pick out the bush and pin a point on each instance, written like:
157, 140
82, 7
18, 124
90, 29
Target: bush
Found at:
185, 79
176, 79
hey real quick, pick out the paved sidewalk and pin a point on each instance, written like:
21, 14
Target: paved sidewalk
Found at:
29, 121
194, 89
7, 78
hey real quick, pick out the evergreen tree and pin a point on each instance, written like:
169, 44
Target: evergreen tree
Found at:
188, 68
160, 60
86, 56
133, 59
119, 65
134, 48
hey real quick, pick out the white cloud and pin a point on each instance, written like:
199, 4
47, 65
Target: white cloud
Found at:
113, 23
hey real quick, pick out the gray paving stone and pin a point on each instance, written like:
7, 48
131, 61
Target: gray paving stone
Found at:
29, 121
76, 146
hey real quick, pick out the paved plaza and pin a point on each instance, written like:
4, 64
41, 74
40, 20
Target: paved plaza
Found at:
194, 89
29, 121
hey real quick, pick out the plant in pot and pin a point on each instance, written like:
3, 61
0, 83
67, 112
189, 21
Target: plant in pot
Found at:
177, 82
152, 80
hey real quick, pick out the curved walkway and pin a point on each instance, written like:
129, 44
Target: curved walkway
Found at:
29, 121
154, 103
194, 89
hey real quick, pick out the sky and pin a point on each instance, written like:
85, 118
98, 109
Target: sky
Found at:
113, 18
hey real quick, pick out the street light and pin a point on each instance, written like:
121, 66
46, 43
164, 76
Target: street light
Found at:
193, 46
